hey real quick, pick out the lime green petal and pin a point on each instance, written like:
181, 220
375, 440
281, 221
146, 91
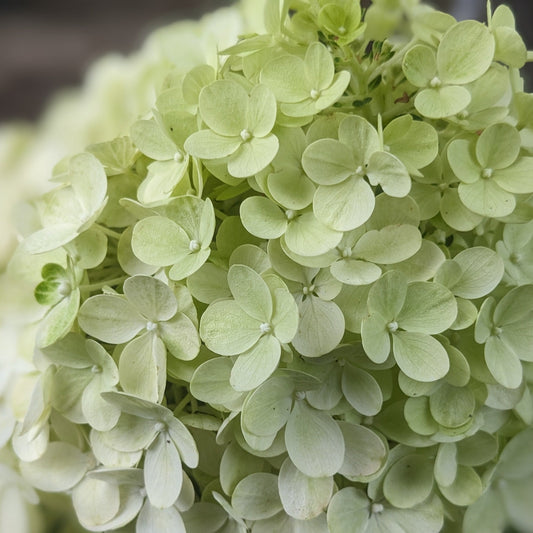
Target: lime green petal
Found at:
442, 102
456, 67
466, 488
227, 330
291, 188
223, 106
344, 206
510, 48
420, 65
207, 144
452, 406
485, 197
59, 320
420, 356
253, 156
361, 390
162, 179
256, 365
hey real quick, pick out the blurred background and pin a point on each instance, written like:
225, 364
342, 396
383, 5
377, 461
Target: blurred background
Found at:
46, 46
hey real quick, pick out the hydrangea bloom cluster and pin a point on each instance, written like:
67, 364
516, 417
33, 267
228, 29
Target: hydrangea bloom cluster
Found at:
298, 295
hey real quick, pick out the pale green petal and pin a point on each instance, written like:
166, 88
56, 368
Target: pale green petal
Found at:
389, 245
255, 365
376, 338
453, 64
409, 481
223, 105
188, 264
420, 65
328, 161
183, 440
360, 136
365, 452
100, 415
263, 218
466, 487
59, 320
154, 520
420, 356
388, 171
250, 292
256, 497
487, 198
445, 468
180, 337
303, 497
387, 295
261, 114
510, 48
361, 390
428, 308
308, 236
348, 511
209, 283
354, 272
285, 75
207, 144
253, 156
481, 271
498, 146
110, 318
159, 241
442, 102
96, 502
503, 363
291, 188
131, 434
210, 382
163, 177
314, 441
268, 408
452, 406
463, 161
60, 468
320, 327
517, 177
50, 238
227, 329
318, 66
153, 298
152, 141
344, 206
456, 214
477, 449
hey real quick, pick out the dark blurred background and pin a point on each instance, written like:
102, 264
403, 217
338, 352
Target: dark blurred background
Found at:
48, 45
